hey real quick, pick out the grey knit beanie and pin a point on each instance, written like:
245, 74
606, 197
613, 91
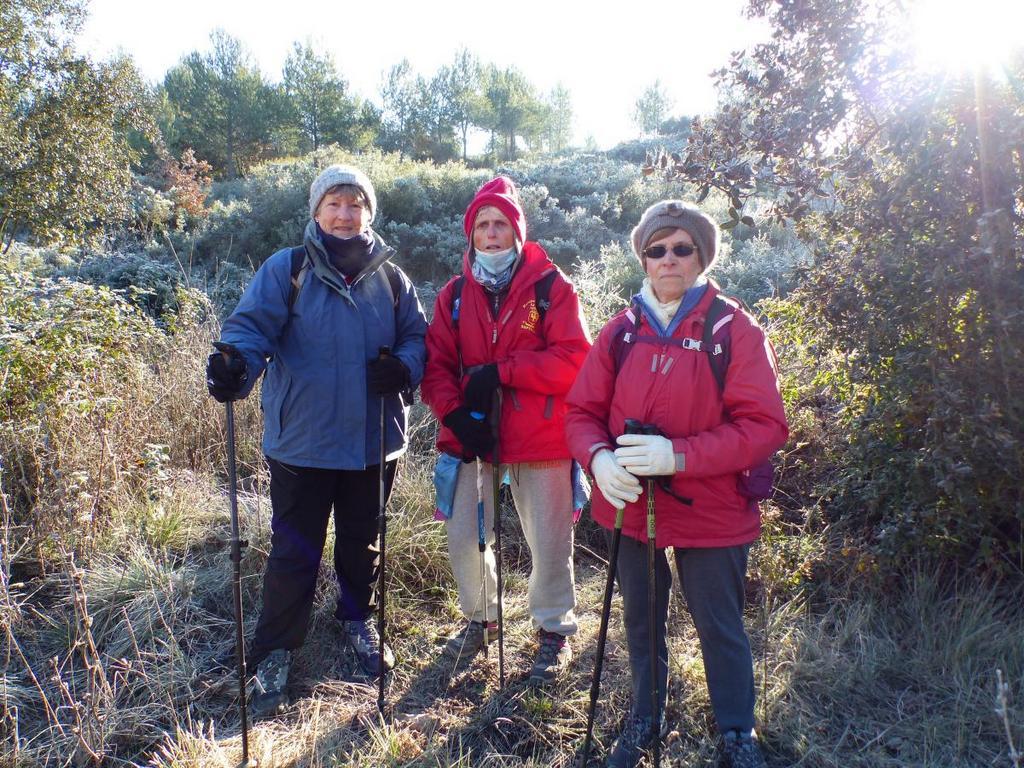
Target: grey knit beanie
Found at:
678, 215
332, 176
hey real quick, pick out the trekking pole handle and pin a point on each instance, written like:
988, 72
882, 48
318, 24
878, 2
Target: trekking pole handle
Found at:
637, 427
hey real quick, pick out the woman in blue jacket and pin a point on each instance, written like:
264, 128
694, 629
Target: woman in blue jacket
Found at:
315, 318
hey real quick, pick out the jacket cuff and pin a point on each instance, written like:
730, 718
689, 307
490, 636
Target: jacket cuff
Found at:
594, 450
679, 450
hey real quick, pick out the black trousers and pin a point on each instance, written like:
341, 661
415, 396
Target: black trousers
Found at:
302, 500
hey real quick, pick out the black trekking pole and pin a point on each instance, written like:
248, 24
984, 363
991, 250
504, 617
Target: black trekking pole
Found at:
602, 635
496, 488
236, 581
382, 532
652, 612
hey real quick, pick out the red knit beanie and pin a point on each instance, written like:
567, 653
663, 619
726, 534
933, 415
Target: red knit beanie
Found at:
502, 194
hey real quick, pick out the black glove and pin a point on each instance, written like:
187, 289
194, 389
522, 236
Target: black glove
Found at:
226, 376
387, 375
474, 434
480, 388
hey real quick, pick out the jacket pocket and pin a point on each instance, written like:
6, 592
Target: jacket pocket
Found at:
283, 407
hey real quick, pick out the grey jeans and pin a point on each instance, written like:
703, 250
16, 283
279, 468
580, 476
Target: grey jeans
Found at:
712, 583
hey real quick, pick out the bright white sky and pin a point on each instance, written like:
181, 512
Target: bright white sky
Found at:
606, 58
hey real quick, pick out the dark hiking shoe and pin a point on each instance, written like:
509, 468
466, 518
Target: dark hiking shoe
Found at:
365, 641
270, 686
635, 737
470, 639
741, 751
553, 657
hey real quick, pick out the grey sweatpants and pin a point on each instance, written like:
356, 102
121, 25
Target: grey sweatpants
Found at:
542, 492
712, 583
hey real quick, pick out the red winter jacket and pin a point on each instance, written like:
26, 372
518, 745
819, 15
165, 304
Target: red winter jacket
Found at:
536, 365
720, 434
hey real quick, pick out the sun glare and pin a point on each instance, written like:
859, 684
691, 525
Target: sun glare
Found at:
958, 35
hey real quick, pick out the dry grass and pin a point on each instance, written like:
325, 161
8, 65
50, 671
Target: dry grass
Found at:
124, 669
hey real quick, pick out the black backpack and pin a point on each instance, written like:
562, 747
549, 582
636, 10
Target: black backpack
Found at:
542, 294
756, 482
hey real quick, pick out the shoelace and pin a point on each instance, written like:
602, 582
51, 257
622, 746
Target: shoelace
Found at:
550, 645
267, 673
367, 633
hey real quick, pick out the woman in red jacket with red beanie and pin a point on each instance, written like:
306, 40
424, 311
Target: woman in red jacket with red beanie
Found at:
648, 364
490, 346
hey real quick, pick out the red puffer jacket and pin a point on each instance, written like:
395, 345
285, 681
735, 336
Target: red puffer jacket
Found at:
721, 434
537, 362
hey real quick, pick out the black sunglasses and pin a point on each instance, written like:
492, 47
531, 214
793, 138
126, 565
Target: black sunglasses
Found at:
679, 251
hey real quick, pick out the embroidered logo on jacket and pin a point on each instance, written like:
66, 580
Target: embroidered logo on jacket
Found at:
532, 316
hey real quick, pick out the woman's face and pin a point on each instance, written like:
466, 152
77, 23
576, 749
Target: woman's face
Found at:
672, 275
492, 231
342, 214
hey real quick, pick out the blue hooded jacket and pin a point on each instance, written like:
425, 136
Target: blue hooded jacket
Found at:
316, 408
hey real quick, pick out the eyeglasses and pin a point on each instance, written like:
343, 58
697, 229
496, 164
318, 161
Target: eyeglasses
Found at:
679, 250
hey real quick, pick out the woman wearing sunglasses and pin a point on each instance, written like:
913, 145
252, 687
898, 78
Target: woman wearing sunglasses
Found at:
711, 406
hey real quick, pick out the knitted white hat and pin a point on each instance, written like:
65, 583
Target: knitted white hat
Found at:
332, 176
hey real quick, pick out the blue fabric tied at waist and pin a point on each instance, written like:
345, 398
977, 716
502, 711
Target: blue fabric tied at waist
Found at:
446, 478
580, 491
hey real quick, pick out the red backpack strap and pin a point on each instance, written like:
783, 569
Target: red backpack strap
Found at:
717, 336
625, 335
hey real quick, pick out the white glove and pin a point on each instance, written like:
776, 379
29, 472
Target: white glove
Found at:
616, 484
646, 455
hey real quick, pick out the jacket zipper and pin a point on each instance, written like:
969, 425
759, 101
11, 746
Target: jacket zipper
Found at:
494, 322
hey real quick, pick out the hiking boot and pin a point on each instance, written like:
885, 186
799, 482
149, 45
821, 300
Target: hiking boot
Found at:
634, 738
365, 641
470, 639
553, 657
270, 686
741, 750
